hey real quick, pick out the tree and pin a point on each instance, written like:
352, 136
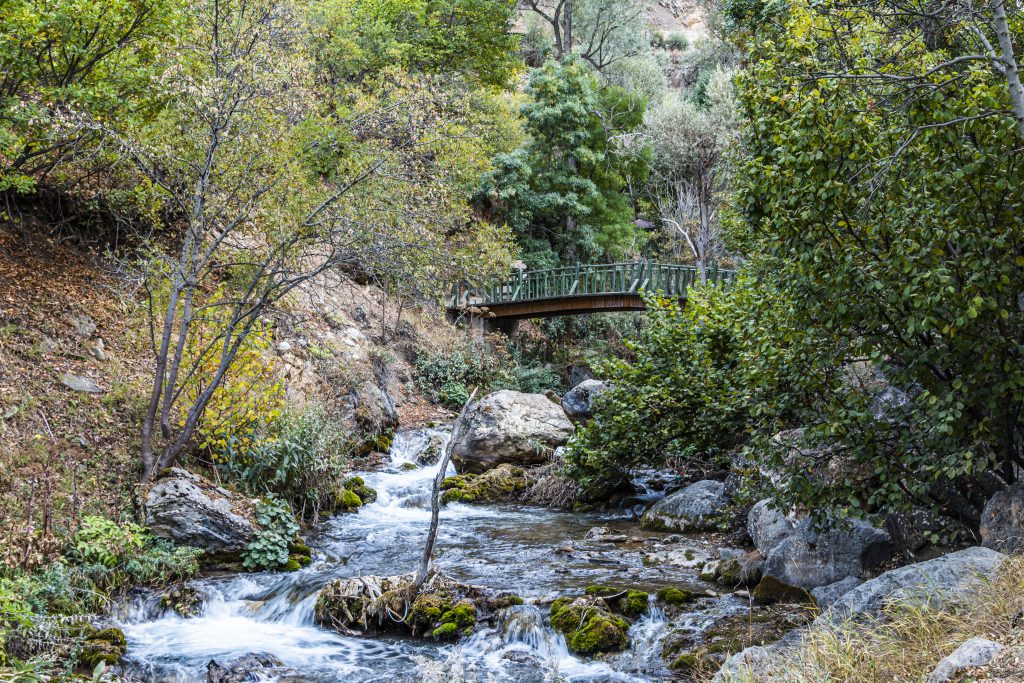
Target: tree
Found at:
92, 56
888, 210
354, 39
563, 191
600, 32
268, 191
689, 143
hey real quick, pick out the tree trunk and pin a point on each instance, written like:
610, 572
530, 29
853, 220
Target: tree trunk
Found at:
1009, 61
435, 502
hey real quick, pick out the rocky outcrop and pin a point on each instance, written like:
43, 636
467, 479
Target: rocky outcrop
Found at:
932, 583
734, 568
973, 653
189, 510
509, 427
767, 527
695, 508
808, 558
578, 402
1002, 520
499, 485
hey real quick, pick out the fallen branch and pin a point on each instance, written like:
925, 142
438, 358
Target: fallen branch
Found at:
435, 502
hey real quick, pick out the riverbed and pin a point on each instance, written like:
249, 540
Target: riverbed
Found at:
539, 554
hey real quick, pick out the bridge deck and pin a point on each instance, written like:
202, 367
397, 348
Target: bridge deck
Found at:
581, 289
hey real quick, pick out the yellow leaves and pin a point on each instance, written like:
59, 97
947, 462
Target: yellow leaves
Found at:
248, 398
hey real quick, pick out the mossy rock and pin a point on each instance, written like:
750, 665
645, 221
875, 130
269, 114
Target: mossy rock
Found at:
602, 591
299, 548
347, 500
447, 631
505, 601
770, 590
426, 612
102, 645
687, 662
633, 604
185, 601
498, 485
409, 466
459, 620
293, 564
356, 485
589, 626
670, 595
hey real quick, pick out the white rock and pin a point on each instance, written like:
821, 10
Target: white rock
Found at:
974, 652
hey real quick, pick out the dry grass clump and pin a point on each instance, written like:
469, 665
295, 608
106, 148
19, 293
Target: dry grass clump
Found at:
906, 642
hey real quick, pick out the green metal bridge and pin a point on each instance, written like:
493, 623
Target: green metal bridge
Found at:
574, 290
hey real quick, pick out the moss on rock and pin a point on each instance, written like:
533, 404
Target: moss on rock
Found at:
106, 645
356, 485
498, 485
670, 595
589, 626
633, 603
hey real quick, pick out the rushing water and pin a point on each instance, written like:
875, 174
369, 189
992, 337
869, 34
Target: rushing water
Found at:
534, 552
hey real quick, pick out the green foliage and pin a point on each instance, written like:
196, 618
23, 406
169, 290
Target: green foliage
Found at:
680, 396
116, 555
14, 613
564, 192
890, 216
357, 38
276, 532
301, 460
676, 41
95, 57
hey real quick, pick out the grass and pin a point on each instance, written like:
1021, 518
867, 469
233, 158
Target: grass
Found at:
907, 640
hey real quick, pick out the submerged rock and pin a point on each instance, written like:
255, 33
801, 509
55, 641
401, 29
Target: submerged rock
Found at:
578, 402
808, 558
933, 582
244, 669
498, 485
190, 510
695, 508
510, 427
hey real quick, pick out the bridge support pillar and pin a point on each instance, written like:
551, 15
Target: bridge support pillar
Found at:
507, 326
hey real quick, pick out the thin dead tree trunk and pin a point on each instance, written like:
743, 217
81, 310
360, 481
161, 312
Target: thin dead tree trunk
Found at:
435, 499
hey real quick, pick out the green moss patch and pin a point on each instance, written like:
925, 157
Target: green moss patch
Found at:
589, 626
498, 485
671, 595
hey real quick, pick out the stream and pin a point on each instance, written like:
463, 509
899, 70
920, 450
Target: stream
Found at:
536, 553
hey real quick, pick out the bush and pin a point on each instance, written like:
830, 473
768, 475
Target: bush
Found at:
115, 555
681, 397
277, 529
677, 41
448, 374
301, 462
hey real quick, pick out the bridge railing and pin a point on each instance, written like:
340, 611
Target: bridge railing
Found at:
633, 277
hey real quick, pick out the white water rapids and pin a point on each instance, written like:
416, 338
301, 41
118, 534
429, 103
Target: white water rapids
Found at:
506, 547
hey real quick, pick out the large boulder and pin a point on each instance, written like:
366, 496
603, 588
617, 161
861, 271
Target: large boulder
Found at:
931, 583
767, 527
808, 558
826, 596
752, 663
509, 427
695, 508
190, 510
578, 402
1002, 520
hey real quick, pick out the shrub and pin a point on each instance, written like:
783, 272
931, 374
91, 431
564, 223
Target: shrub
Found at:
114, 555
277, 529
302, 462
676, 41
14, 613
